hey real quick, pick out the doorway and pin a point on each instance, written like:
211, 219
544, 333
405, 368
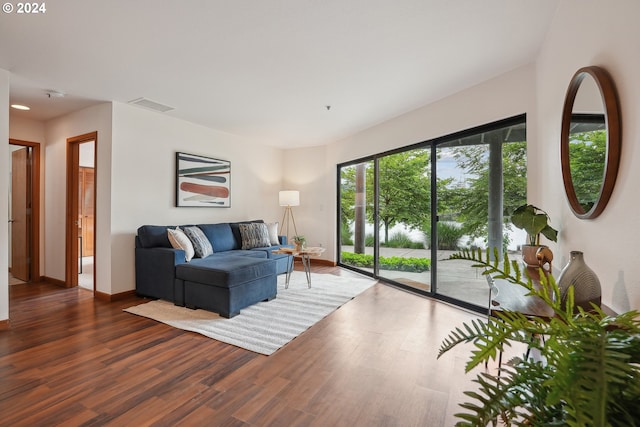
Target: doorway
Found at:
24, 211
81, 208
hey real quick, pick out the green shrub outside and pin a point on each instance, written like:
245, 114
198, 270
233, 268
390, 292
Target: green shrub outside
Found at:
415, 265
448, 235
402, 240
397, 240
345, 235
369, 240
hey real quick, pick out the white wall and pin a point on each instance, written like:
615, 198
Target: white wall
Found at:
26, 129
508, 95
96, 118
4, 196
143, 180
310, 171
605, 34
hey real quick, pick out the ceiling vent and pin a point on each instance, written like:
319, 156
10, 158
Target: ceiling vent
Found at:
54, 94
151, 105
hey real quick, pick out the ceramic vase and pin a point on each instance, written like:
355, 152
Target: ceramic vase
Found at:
585, 282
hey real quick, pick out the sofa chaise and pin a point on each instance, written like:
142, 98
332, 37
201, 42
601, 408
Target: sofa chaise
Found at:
221, 267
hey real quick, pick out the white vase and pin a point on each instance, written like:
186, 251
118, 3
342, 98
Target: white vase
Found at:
585, 282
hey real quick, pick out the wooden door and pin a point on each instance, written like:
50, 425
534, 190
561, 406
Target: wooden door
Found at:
86, 204
20, 215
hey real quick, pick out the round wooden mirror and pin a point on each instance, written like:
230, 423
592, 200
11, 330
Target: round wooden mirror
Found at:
590, 141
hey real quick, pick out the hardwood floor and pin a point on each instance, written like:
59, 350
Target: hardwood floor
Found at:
70, 360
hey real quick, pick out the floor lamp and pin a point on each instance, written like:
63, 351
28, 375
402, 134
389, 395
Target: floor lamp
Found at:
289, 198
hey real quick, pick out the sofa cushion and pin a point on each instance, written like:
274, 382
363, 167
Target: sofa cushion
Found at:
254, 235
179, 240
268, 251
225, 272
235, 228
220, 236
201, 244
153, 236
239, 252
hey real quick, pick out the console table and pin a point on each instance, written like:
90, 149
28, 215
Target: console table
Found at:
504, 295
305, 255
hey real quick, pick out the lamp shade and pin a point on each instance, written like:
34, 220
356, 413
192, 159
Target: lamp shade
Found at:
289, 198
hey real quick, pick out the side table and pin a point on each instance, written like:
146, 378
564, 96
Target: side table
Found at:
305, 255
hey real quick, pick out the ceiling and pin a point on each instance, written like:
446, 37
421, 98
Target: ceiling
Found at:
287, 73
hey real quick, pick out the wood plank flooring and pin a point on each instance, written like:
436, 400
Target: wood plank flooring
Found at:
70, 360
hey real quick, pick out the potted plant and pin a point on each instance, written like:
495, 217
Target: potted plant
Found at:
588, 373
534, 221
300, 242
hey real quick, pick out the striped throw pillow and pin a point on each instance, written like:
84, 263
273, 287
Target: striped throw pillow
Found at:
255, 235
201, 244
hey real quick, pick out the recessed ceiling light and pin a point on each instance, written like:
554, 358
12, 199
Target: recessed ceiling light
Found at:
20, 107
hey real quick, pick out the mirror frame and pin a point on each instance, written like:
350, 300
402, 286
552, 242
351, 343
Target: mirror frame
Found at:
614, 132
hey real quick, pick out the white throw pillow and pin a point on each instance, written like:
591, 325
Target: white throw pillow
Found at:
273, 233
179, 240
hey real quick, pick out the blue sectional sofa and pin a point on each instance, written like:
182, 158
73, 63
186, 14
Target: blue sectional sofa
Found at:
225, 281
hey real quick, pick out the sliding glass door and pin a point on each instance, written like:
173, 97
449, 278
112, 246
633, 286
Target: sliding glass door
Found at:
486, 180
461, 209
404, 206
403, 213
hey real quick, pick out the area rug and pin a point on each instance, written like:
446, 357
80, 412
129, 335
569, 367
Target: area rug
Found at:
266, 326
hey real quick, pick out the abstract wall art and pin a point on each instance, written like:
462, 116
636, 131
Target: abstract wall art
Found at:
202, 181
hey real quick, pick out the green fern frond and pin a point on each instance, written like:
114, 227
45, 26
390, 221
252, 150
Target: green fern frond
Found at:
458, 336
490, 338
491, 267
502, 397
591, 376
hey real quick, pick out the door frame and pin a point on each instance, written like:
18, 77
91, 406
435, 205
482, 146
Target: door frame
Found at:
73, 167
34, 263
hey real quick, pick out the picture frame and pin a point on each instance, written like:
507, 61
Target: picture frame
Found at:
202, 181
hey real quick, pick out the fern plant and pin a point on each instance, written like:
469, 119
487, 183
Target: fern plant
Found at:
589, 372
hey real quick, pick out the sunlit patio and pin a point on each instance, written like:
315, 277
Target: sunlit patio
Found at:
456, 278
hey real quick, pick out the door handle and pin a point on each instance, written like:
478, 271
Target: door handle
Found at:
12, 220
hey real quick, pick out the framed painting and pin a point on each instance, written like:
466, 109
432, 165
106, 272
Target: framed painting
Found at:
202, 181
